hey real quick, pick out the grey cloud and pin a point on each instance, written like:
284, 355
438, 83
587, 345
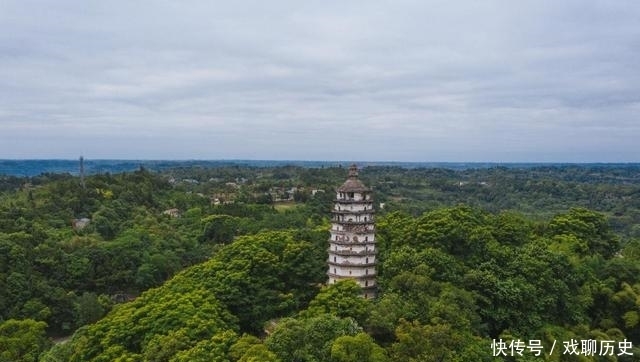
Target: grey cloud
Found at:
403, 80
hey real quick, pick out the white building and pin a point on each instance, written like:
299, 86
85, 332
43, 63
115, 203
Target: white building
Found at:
352, 246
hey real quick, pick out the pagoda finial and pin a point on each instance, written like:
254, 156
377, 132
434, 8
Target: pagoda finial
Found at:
353, 171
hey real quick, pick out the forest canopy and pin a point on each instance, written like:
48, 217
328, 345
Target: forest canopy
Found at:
228, 264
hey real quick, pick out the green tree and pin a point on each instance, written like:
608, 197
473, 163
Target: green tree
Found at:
250, 349
358, 348
438, 342
589, 226
342, 299
309, 339
215, 349
22, 340
258, 353
88, 309
219, 228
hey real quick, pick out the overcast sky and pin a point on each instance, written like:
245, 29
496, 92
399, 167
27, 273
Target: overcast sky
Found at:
503, 81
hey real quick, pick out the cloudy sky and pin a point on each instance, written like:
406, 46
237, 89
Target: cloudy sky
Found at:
503, 81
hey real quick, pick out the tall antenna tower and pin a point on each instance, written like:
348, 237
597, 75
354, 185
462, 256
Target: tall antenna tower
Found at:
82, 172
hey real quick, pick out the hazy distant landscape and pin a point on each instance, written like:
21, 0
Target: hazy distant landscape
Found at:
36, 167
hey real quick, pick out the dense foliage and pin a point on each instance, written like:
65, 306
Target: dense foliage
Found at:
233, 259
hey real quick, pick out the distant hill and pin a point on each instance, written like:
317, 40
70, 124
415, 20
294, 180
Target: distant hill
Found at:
36, 167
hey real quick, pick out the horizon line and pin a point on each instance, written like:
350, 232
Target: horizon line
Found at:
307, 160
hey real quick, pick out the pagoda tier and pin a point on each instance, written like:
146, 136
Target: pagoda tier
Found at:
352, 245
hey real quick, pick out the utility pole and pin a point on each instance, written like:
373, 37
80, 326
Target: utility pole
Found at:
82, 172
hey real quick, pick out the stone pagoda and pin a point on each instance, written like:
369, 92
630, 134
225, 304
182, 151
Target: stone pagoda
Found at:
352, 246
